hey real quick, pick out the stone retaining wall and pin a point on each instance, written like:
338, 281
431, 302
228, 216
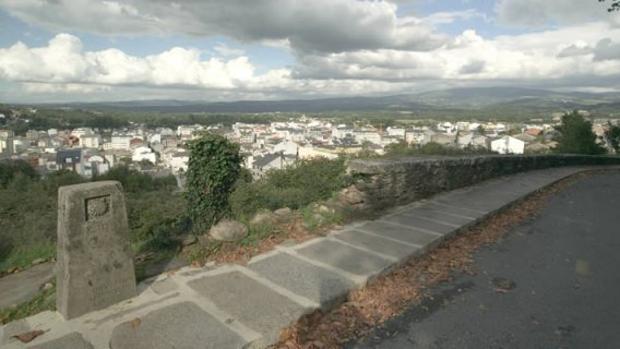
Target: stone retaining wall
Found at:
385, 183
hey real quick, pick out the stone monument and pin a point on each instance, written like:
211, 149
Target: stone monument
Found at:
94, 265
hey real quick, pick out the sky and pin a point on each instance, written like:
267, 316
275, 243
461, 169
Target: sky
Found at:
210, 50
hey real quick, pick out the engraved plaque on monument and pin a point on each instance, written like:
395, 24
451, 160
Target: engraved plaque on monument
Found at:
95, 266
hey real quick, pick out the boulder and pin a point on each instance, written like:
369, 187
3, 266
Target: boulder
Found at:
283, 214
38, 261
228, 230
264, 217
352, 196
189, 240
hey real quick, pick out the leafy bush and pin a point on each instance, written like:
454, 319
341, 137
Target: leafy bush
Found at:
134, 181
213, 169
295, 187
10, 169
28, 212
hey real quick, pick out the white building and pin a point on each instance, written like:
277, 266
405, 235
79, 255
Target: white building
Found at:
396, 132
144, 153
508, 145
286, 148
119, 143
90, 141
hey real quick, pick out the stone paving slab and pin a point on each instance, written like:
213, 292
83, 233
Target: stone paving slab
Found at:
318, 284
376, 243
182, 325
438, 215
249, 302
398, 232
420, 223
25, 285
347, 258
232, 306
72, 340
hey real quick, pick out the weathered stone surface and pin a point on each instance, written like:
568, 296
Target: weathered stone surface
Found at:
420, 223
38, 261
345, 257
189, 240
283, 214
250, 302
439, 215
164, 286
95, 267
24, 286
228, 230
72, 340
397, 232
263, 217
181, 325
352, 196
390, 183
377, 244
315, 283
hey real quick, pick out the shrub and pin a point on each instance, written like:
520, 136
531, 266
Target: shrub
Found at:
297, 186
12, 168
213, 169
134, 181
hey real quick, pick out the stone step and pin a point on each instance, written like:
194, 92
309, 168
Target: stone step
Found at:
239, 307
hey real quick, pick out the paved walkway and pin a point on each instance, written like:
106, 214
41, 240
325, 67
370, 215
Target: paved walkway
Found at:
25, 285
233, 306
563, 270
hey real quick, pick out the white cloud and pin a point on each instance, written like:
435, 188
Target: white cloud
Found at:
63, 61
63, 67
318, 25
527, 57
539, 13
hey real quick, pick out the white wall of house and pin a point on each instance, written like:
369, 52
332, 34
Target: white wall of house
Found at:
508, 145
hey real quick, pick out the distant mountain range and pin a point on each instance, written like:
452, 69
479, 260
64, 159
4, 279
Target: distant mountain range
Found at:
457, 98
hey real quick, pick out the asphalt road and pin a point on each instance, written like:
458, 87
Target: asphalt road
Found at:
564, 270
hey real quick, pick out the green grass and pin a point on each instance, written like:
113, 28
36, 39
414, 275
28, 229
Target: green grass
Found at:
314, 220
23, 257
257, 233
45, 300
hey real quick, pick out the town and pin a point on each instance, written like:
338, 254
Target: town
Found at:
162, 151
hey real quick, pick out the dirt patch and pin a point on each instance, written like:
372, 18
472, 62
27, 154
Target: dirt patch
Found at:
390, 294
231, 252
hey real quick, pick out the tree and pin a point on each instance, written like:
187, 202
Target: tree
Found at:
613, 136
213, 169
613, 6
576, 136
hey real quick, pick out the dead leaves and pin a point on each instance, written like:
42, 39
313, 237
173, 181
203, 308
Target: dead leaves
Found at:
29, 336
390, 294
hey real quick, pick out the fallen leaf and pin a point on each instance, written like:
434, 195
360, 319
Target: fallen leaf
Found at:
27, 337
135, 323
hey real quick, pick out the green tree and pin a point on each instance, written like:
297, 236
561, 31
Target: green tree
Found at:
576, 136
613, 136
213, 169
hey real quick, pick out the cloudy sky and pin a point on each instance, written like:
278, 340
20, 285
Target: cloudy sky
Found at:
90, 50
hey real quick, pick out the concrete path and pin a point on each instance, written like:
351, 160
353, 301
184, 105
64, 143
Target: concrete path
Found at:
23, 286
235, 307
563, 266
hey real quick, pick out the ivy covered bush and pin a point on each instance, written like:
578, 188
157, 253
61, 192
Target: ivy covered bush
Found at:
213, 169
